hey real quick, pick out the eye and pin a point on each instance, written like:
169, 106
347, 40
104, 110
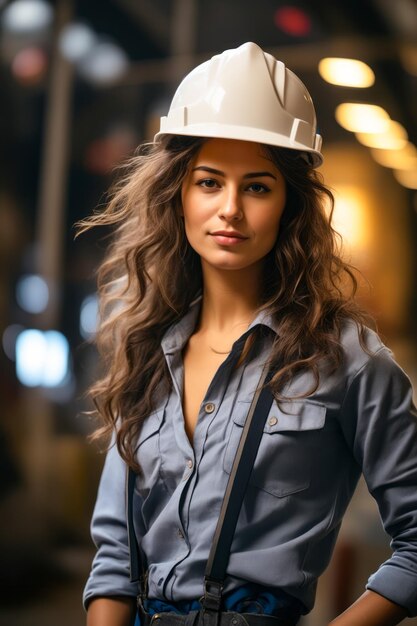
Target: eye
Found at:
258, 188
208, 183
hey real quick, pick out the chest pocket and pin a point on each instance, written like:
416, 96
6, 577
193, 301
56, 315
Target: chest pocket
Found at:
290, 441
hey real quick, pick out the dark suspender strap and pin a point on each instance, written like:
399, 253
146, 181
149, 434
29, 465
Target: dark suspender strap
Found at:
232, 501
234, 494
136, 568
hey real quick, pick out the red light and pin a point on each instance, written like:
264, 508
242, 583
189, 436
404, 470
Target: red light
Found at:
29, 66
103, 154
293, 21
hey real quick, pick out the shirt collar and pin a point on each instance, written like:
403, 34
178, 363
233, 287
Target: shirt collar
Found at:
179, 333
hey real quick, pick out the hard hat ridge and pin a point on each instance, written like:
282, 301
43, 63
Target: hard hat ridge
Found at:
246, 94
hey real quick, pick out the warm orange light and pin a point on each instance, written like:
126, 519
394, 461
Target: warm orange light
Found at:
408, 56
407, 178
405, 158
346, 72
362, 118
351, 217
393, 138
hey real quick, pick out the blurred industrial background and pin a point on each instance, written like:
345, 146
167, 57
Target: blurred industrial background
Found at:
82, 84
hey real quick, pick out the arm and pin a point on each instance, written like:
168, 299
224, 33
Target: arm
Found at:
111, 612
371, 609
110, 573
380, 425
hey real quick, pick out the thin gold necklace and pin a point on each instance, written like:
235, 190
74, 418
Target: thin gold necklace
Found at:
219, 351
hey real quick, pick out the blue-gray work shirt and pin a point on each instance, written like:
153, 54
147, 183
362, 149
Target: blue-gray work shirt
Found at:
361, 418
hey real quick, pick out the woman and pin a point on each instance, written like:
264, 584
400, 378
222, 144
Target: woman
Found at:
223, 261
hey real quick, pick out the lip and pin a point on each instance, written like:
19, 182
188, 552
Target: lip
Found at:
229, 233
228, 237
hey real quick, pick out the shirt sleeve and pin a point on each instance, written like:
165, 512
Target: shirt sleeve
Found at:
380, 421
110, 572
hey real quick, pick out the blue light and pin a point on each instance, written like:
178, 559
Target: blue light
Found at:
32, 293
105, 63
42, 358
89, 316
30, 351
56, 362
76, 41
27, 16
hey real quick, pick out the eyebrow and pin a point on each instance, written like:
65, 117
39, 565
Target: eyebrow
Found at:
212, 170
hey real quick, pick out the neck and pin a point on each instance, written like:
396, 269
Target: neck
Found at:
230, 299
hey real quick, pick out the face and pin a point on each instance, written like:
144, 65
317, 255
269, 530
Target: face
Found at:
233, 198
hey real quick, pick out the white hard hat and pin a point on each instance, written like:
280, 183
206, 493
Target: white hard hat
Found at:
245, 93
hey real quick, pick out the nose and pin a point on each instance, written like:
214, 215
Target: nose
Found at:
230, 205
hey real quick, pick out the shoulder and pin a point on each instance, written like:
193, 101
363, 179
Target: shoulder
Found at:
366, 357
361, 346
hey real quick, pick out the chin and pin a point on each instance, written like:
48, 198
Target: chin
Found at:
230, 265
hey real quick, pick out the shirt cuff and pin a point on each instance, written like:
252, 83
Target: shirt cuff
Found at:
108, 587
396, 585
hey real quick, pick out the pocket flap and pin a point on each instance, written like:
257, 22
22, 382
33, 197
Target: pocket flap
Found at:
294, 415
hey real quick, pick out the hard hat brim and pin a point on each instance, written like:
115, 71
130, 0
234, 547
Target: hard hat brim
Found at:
242, 133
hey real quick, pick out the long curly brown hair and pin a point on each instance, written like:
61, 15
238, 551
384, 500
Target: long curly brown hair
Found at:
150, 275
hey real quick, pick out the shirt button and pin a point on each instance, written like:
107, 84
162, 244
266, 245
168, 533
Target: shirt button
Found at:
190, 463
210, 407
272, 421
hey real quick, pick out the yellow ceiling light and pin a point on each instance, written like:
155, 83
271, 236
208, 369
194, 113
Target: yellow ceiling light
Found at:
346, 72
393, 138
403, 159
407, 178
362, 118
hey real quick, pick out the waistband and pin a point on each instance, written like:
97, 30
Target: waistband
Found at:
225, 618
248, 598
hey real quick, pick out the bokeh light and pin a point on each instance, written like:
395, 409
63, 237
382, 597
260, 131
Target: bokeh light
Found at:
29, 65
404, 158
407, 178
362, 118
293, 21
32, 293
76, 41
89, 316
105, 153
350, 217
105, 63
42, 358
393, 138
27, 16
346, 72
